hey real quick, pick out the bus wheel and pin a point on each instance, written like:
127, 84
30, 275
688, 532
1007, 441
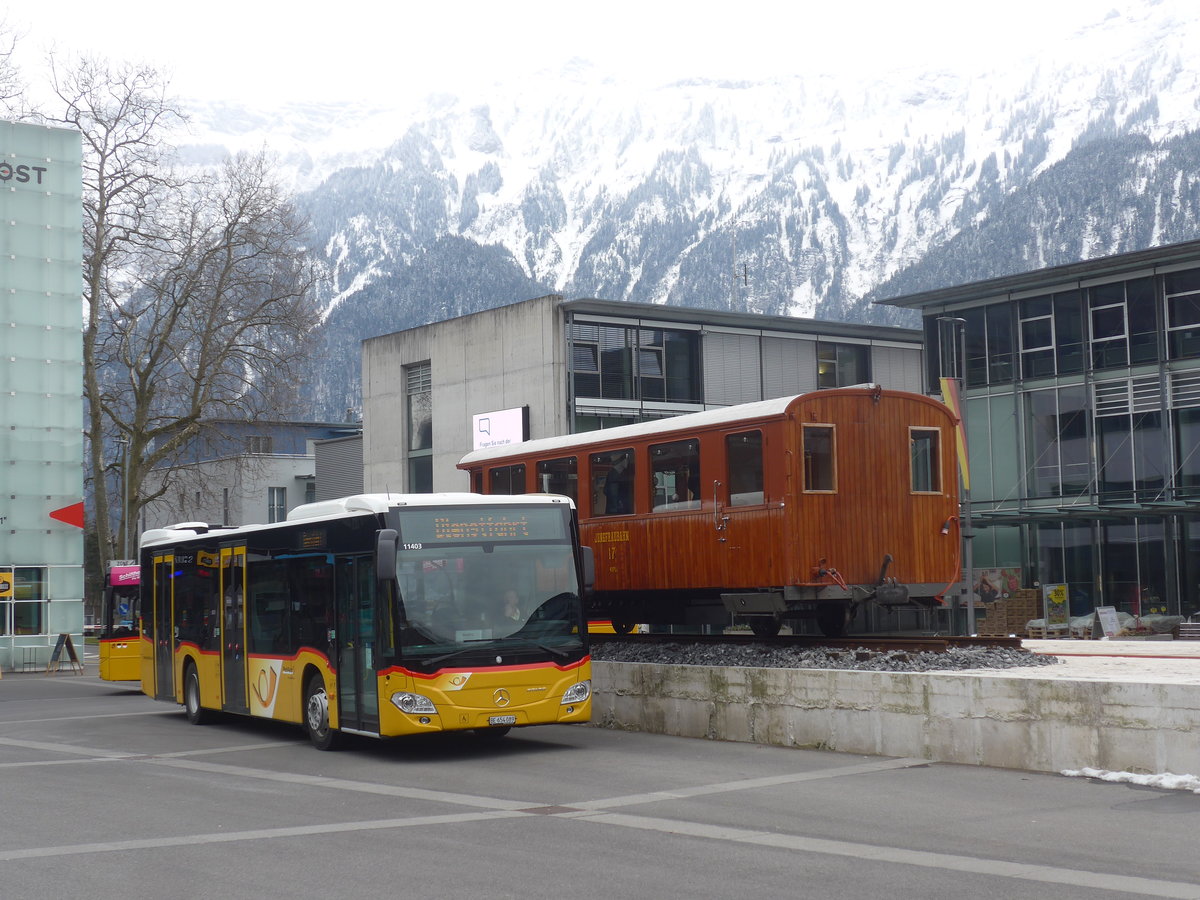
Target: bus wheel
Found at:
316, 715
621, 627
196, 713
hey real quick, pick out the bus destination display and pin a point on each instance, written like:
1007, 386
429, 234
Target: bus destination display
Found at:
474, 526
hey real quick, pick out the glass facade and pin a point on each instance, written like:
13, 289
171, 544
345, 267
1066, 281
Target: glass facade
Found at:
41, 445
1083, 418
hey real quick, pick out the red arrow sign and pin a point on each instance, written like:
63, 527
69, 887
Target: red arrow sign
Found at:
72, 515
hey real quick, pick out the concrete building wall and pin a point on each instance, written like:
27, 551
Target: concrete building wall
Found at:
503, 358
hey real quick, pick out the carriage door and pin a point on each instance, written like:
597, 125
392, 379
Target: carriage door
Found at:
233, 628
156, 625
357, 688
739, 515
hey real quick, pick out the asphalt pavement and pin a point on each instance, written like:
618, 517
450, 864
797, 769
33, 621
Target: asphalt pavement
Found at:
107, 794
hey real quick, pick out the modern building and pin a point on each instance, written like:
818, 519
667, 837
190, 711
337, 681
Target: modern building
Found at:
240, 473
1082, 408
550, 366
41, 386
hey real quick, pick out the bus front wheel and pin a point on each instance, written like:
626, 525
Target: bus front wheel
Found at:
316, 715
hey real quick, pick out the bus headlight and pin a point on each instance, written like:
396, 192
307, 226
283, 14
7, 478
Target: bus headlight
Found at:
412, 703
578, 692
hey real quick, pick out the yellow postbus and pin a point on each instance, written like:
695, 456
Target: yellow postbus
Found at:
120, 652
379, 614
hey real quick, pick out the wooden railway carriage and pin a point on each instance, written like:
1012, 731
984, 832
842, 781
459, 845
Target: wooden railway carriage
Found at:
798, 507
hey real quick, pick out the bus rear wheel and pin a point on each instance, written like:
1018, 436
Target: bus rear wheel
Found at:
196, 713
316, 715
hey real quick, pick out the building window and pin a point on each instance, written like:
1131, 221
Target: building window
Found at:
23, 600
819, 470
744, 468
612, 483
507, 479
559, 476
310, 492
1187, 452
419, 391
259, 443
841, 365
1183, 313
1130, 444
277, 504
925, 457
1037, 337
225, 506
989, 340
617, 362
1058, 450
675, 475
1051, 335
1123, 323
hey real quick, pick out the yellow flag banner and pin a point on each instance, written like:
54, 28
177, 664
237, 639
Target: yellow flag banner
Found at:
951, 398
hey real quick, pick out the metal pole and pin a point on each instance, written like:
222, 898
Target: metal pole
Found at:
124, 442
968, 533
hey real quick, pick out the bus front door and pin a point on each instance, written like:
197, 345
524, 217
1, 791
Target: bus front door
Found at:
357, 688
233, 629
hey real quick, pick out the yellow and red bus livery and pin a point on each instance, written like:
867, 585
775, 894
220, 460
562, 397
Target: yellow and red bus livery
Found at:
381, 615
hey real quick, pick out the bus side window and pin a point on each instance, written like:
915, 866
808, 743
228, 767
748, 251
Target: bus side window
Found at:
744, 468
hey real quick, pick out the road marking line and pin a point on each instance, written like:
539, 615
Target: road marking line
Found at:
750, 784
1150, 887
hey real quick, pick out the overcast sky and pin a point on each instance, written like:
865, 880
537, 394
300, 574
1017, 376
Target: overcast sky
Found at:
256, 50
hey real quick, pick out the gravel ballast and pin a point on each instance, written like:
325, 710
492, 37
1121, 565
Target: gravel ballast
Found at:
764, 657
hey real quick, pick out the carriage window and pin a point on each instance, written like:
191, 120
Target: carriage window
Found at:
559, 476
612, 483
507, 479
744, 468
675, 475
924, 453
819, 473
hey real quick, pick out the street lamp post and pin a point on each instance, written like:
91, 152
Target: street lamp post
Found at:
124, 442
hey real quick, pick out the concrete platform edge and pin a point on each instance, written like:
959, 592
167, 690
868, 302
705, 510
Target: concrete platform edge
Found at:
1031, 724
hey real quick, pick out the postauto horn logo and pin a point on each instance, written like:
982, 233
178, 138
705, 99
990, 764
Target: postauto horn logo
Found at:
21, 174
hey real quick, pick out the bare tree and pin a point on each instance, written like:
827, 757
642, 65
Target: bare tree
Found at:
220, 323
196, 291
12, 87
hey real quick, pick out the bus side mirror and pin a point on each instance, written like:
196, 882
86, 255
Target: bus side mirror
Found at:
589, 568
387, 540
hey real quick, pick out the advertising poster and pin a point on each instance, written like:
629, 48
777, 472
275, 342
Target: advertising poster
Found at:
996, 584
1055, 600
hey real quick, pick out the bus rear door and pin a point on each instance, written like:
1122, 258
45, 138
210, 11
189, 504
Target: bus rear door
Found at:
233, 628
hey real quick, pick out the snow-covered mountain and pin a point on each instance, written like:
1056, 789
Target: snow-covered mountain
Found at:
808, 196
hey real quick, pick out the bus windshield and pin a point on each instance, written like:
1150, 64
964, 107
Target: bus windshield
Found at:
495, 583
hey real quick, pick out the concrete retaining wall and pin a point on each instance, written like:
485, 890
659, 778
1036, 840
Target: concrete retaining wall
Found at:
1034, 724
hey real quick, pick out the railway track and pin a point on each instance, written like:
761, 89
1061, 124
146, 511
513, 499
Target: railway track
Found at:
868, 644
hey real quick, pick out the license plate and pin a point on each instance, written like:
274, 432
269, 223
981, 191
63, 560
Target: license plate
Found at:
502, 720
